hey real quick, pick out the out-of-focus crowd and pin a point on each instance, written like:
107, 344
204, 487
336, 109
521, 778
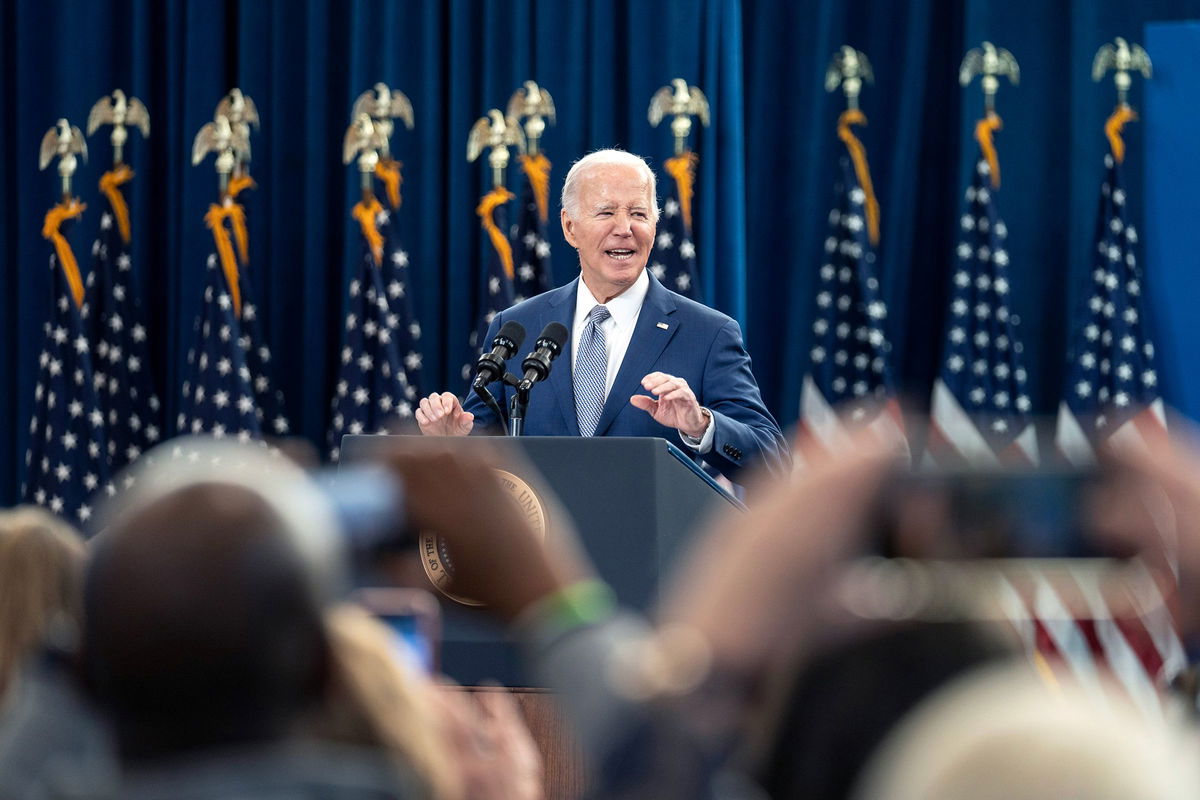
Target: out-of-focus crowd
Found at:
204, 644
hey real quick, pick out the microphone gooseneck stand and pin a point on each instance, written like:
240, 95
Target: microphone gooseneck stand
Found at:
489, 400
518, 405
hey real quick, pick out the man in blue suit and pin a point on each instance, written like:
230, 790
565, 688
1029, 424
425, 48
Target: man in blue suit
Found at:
641, 360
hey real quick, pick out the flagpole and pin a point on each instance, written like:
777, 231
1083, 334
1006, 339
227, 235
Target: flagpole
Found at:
496, 132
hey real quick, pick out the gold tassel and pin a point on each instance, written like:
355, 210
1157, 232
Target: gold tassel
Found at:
365, 212
1112, 129
858, 155
215, 219
388, 171
110, 183
496, 197
237, 185
983, 134
55, 217
537, 170
683, 169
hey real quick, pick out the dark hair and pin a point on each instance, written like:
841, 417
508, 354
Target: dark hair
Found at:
200, 625
846, 699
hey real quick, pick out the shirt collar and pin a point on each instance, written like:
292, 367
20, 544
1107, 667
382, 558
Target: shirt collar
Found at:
624, 307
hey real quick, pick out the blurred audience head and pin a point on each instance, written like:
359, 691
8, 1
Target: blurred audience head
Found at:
41, 570
203, 616
847, 697
1008, 732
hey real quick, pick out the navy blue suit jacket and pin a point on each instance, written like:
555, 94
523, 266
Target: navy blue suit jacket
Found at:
674, 335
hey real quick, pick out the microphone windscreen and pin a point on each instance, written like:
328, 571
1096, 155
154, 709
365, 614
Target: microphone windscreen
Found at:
513, 331
557, 333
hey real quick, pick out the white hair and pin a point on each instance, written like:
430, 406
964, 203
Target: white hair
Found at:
604, 158
1004, 732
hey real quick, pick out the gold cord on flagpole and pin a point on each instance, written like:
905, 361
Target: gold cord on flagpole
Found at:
69, 208
498, 196
215, 219
365, 212
110, 186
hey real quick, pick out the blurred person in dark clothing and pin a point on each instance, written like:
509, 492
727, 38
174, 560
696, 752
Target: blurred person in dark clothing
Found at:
46, 727
204, 643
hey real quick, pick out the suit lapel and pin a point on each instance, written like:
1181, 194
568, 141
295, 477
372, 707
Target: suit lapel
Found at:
562, 309
654, 330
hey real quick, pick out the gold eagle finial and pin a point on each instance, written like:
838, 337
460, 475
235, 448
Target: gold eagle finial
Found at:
1124, 57
241, 113
119, 111
849, 68
682, 102
498, 132
990, 62
383, 104
535, 105
65, 141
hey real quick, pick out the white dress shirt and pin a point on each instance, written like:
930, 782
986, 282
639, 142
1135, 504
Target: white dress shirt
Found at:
618, 332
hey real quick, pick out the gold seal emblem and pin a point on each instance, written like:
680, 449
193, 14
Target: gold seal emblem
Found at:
437, 558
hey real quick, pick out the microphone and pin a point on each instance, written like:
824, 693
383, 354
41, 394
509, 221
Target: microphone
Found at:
537, 364
490, 366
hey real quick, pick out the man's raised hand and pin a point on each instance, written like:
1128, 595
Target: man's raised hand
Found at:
676, 405
441, 414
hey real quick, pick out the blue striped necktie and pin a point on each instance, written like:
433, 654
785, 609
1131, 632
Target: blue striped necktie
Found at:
591, 367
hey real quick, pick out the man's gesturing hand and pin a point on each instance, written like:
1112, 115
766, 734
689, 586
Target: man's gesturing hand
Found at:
442, 415
676, 406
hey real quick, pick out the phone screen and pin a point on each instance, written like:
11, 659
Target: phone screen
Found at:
412, 640
414, 619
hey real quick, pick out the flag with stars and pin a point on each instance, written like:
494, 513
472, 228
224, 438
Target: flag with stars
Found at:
981, 409
849, 384
496, 290
373, 389
67, 458
531, 248
218, 393
1111, 397
401, 319
674, 259
1111, 393
122, 377
267, 396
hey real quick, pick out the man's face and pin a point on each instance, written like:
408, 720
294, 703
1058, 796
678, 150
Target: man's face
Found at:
615, 230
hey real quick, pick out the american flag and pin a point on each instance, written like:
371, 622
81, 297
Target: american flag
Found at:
1111, 393
1111, 397
531, 248
67, 458
218, 394
258, 355
849, 380
122, 376
496, 289
981, 409
268, 398
372, 388
674, 258
1079, 623
397, 286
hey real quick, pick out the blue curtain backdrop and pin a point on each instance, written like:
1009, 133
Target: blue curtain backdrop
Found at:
766, 170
